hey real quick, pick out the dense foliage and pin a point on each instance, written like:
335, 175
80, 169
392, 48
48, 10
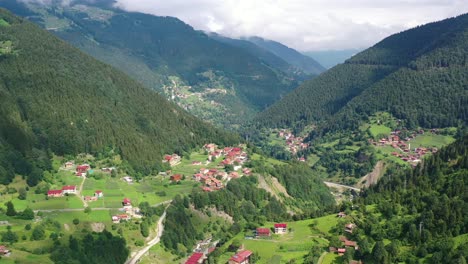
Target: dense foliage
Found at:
55, 98
406, 74
94, 248
424, 208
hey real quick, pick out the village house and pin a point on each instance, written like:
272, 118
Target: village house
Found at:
90, 198
98, 194
69, 165
128, 179
173, 159
126, 202
262, 232
210, 147
341, 214
196, 258
108, 170
54, 193
281, 228
4, 251
69, 189
341, 251
242, 257
350, 227
349, 243
176, 178
82, 169
122, 217
196, 163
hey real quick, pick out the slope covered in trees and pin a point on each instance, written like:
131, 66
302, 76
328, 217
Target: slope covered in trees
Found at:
418, 75
155, 50
422, 208
54, 98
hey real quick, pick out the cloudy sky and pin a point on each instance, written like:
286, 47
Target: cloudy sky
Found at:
304, 24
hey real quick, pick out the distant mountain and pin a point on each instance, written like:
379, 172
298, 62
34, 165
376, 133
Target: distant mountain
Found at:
266, 56
293, 57
419, 75
54, 98
211, 79
330, 58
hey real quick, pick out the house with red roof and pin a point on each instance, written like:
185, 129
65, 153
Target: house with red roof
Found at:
196, 258
176, 178
263, 232
70, 189
4, 251
82, 169
242, 257
126, 202
349, 243
281, 228
54, 193
341, 251
117, 218
350, 227
98, 194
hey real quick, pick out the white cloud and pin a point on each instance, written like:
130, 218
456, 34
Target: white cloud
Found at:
303, 24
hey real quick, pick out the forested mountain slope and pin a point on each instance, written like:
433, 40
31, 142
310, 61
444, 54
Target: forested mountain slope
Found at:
54, 98
423, 208
419, 75
293, 57
168, 56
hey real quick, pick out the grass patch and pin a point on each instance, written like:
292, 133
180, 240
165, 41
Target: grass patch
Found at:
4, 23
431, 140
376, 130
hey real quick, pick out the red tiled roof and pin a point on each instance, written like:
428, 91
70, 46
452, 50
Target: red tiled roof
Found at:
194, 258
263, 231
69, 188
126, 200
98, 191
341, 250
54, 192
281, 225
241, 256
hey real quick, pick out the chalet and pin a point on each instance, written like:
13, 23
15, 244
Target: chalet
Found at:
281, 228
350, 227
217, 183
4, 251
204, 171
108, 170
69, 189
196, 258
242, 257
341, 214
302, 159
176, 178
246, 171
69, 165
234, 175
263, 232
98, 194
126, 202
197, 176
54, 193
341, 251
196, 163
349, 243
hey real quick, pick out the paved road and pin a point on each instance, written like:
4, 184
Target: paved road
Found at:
336, 185
160, 229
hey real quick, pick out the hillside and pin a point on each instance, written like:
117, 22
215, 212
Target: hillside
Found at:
293, 57
213, 80
330, 58
405, 74
56, 99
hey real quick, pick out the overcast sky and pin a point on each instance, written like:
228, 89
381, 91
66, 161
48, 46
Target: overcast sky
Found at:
304, 24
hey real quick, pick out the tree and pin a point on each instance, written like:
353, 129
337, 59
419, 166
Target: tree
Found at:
9, 236
87, 210
144, 229
27, 214
379, 253
38, 233
10, 209
76, 221
22, 194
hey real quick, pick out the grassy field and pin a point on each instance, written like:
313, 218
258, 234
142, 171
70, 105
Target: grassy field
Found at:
431, 140
157, 255
332, 258
293, 245
376, 130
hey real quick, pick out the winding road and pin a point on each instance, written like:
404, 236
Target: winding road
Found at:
338, 186
160, 229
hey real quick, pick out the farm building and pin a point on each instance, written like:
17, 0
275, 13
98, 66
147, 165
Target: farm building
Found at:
242, 257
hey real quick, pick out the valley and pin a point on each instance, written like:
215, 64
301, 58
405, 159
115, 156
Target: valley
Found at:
127, 137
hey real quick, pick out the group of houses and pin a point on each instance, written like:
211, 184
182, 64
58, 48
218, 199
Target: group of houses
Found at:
211, 179
203, 249
68, 189
403, 146
279, 229
293, 143
345, 244
235, 156
128, 210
